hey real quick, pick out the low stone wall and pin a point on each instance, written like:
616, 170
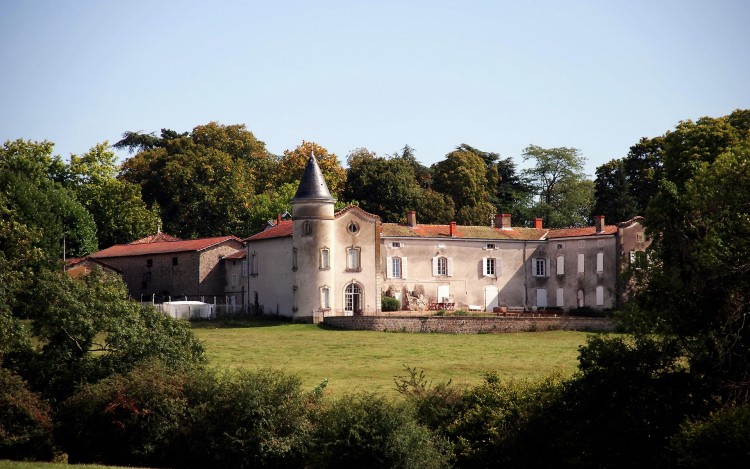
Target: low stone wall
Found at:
468, 325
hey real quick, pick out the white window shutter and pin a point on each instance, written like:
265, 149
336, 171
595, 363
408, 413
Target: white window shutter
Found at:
403, 267
560, 265
599, 296
560, 297
389, 267
434, 266
449, 266
533, 267
498, 267
484, 266
600, 262
581, 262
546, 267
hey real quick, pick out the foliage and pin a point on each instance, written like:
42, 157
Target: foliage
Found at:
25, 423
366, 431
719, 441
87, 329
564, 195
132, 419
292, 165
389, 303
247, 419
434, 207
266, 206
612, 193
436, 405
462, 176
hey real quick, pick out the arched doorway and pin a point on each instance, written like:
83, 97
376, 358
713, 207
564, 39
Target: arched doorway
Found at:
352, 299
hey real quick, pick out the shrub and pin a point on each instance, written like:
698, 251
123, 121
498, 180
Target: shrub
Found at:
25, 425
246, 419
366, 431
717, 442
131, 419
390, 304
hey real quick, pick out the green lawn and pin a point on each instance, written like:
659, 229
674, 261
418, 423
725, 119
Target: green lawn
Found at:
4, 464
368, 361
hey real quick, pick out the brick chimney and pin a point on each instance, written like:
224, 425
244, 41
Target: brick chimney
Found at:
538, 223
453, 229
278, 219
504, 221
411, 218
599, 223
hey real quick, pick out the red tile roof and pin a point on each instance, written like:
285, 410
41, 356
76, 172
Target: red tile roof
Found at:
241, 254
123, 250
583, 231
354, 208
461, 232
156, 238
283, 229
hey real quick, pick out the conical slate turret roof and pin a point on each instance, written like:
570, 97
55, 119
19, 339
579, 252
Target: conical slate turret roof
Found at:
312, 187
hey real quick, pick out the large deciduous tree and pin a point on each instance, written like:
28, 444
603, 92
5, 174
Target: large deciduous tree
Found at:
462, 176
564, 195
292, 165
612, 193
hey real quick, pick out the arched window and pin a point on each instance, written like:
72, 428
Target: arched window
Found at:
325, 298
307, 229
352, 260
352, 298
325, 259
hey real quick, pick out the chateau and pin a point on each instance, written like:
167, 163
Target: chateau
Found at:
326, 263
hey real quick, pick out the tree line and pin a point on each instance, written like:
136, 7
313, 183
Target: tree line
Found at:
107, 380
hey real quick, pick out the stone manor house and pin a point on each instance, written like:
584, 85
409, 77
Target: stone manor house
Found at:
326, 263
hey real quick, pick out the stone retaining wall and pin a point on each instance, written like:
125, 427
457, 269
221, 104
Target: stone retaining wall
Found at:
468, 325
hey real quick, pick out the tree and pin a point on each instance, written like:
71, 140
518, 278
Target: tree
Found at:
462, 175
514, 193
292, 165
612, 193
642, 168
563, 199
265, 206
385, 187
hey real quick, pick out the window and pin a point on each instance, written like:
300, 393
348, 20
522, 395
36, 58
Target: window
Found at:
234, 280
489, 266
581, 244
352, 298
149, 262
639, 237
294, 259
325, 298
581, 262
352, 227
560, 298
599, 295
307, 229
600, 262
254, 263
395, 244
442, 266
352, 259
175, 261
540, 267
491, 246
560, 265
580, 298
244, 268
396, 267
325, 259
559, 246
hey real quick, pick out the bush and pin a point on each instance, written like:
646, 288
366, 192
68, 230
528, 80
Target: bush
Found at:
25, 424
389, 303
131, 419
719, 441
365, 431
246, 419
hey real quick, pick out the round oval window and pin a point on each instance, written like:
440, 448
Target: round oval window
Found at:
353, 228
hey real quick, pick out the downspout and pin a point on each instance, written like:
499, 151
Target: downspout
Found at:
525, 279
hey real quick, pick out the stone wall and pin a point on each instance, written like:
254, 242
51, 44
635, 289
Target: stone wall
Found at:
468, 325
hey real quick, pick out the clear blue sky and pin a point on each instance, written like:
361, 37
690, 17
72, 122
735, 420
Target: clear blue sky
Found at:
498, 75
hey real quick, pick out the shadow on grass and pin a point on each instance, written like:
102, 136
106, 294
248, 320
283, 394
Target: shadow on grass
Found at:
238, 323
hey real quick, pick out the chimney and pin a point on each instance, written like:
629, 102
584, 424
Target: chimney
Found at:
599, 223
498, 221
538, 223
453, 229
278, 219
411, 218
504, 221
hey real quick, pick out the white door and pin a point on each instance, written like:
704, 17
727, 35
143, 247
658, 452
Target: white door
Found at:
541, 297
491, 299
443, 293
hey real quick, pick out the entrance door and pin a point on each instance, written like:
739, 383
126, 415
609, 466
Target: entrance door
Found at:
491, 299
541, 297
443, 293
352, 299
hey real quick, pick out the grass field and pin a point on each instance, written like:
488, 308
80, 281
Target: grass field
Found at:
368, 361
4, 464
